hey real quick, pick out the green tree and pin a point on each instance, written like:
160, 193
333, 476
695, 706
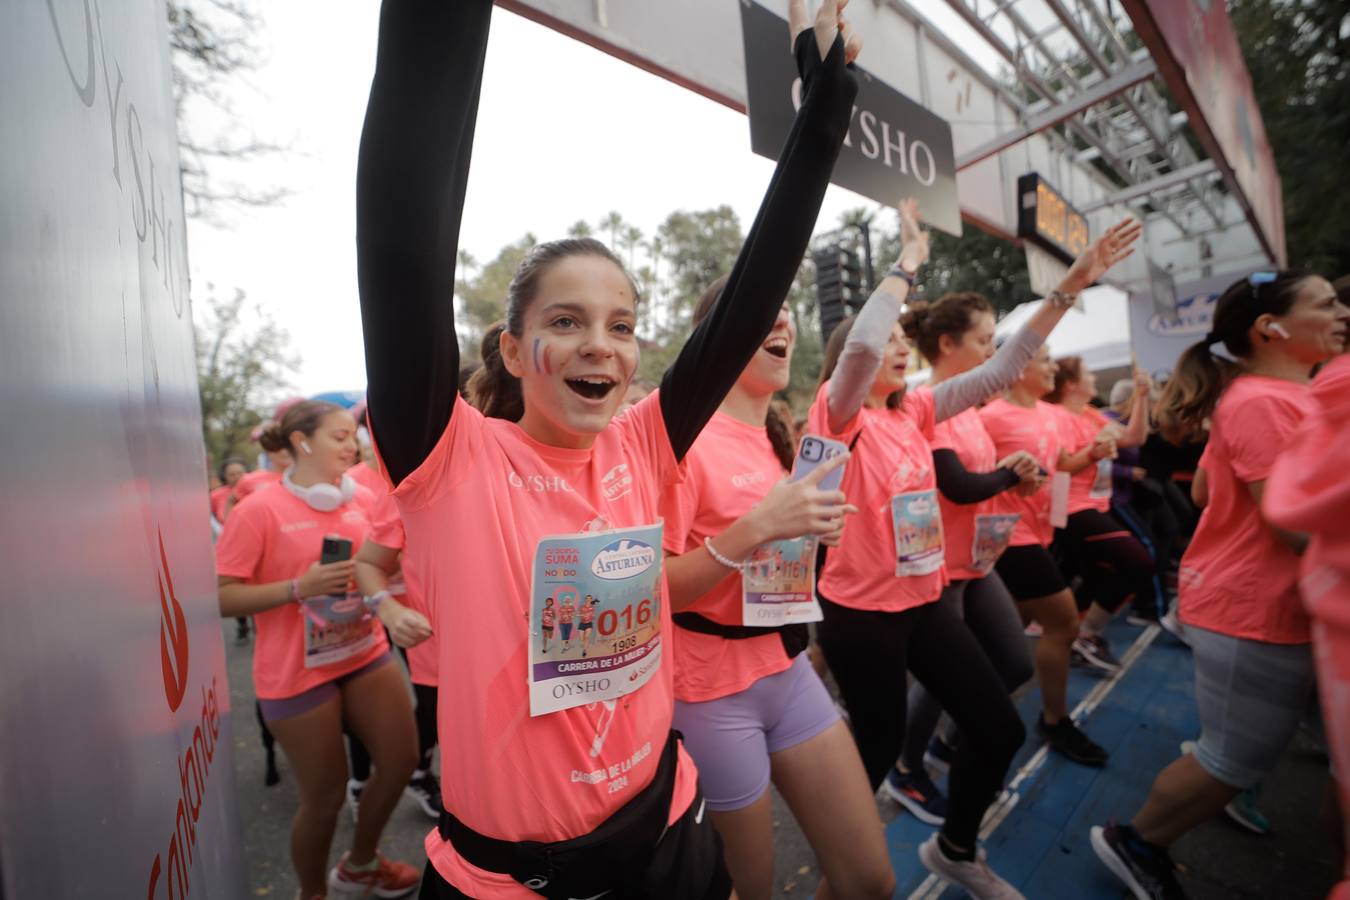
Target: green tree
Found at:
1298, 54
240, 369
691, 250
580, 229
481, 294
213, 43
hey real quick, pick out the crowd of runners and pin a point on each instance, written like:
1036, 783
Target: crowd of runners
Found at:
619, 607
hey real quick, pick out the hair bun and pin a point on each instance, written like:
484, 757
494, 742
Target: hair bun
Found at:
914, 318
271, 438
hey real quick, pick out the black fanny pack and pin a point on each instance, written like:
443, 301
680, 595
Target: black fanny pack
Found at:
795, 637
608, 859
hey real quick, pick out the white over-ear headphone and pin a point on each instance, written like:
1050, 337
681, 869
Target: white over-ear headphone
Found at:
322, 497
1279, 329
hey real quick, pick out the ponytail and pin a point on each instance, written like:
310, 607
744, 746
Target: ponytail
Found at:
1200, 376
780, 436
493, 390
1192, 392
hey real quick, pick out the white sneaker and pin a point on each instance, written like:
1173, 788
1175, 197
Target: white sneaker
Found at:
980, 881
1172, 625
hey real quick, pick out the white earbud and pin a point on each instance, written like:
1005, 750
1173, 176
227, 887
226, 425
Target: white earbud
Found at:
1277, 328
304, 445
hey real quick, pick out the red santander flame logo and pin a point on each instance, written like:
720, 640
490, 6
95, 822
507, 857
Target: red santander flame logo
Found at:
173, 635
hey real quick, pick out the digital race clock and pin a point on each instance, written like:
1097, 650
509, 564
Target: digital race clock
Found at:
1044, 216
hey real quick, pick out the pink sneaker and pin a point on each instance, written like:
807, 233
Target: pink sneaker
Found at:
388, 879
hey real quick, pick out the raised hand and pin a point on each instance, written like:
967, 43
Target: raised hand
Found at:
1103, 253
913, 239
829, 22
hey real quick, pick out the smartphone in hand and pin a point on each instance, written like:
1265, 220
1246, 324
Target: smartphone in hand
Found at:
335, 549
812, 452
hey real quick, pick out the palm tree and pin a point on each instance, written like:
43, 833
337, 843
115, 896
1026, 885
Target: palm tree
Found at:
612, 223
631, 237
580, 229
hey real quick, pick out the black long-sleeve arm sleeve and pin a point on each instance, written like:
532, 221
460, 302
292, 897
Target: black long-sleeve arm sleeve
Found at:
410, 182
724, 342
960, 485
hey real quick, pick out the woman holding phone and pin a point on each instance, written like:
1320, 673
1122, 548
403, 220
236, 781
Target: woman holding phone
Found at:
320, 658
750, 706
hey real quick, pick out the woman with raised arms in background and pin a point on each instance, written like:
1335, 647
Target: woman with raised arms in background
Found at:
880, 586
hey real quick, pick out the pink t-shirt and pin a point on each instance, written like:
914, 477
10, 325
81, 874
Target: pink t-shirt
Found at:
1237, 577
368, 476
1036, 431
1308, 491
891, 457
387, 530
964, 434
275, 536
1089, 488
730, 468
254, 481
480, 503
219, 497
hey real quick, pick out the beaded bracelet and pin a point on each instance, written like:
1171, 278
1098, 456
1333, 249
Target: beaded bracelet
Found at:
295, 591
1061, 299
712, 551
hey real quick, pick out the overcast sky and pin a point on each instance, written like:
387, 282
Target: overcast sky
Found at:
564, 132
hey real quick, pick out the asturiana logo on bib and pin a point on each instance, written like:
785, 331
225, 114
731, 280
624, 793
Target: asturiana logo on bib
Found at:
623, 559
919, 506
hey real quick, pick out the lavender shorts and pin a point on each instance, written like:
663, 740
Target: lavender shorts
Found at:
286, 707
730, 738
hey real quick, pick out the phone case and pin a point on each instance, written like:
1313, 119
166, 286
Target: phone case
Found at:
814, 450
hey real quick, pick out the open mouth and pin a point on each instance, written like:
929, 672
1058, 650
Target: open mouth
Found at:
776, 347
592, 387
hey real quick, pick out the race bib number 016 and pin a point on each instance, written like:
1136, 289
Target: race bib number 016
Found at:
595, 617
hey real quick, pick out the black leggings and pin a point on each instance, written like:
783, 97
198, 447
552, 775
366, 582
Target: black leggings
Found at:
1114, 566
425, 714
869, 652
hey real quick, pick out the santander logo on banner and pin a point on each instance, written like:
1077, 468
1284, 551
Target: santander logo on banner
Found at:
173, 635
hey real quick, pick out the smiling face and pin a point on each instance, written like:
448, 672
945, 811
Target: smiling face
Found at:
963, 352
770, 368
1316, 323
1082, 390
1038, 378
332, 446
577, 350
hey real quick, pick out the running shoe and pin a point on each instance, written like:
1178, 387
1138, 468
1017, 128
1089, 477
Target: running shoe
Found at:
354, 789
1242, 810
425, 788
939, 756
1065, 738
1095, 652
1145, 869
980, 881
1172, 625
916, 792
1033, 629
388, 879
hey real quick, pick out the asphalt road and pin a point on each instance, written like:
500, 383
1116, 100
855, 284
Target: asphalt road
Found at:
1297, 861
